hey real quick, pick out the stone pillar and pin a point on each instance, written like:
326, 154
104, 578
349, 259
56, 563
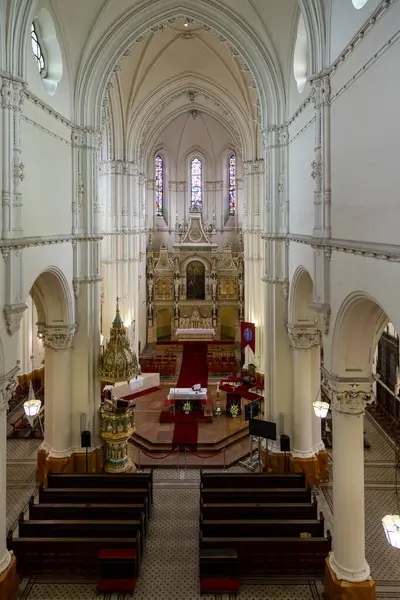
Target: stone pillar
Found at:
303, 340
56, 452
318, 445
8, 572
347, 571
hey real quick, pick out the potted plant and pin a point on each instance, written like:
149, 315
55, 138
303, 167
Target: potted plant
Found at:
187, 407
234, 410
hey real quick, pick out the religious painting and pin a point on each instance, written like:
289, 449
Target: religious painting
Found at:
227, 287
163, 288
195, 281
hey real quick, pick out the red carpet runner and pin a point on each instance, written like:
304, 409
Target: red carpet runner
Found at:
194, 369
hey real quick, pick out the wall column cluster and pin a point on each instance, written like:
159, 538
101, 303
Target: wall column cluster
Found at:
124, 244
254, 180
278, 384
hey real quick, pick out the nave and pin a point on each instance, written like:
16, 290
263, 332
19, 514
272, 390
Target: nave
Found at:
170, 565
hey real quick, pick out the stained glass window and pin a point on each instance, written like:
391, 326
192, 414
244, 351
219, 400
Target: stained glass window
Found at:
159, 186
232, 186
37, 50
195, 183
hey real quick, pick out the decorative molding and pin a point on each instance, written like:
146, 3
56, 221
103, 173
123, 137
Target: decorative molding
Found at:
214, 186
386, 46
361, 34
300, 109
45, 130
323, 316
13, 314
283, 281
389, 252
55, 337
302, 130
304, 338
253, 167
178, 186
29, 242
48, 109
119, 167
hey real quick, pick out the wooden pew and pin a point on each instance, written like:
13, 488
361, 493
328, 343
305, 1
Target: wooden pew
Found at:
257, 495
261, 528
84, 529
259, 558
252, 480
60, 557
101, 480
93, 496
119, 512
307, 510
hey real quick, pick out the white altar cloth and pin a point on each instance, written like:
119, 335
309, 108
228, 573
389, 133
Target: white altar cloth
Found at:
142, 383
187, 394
195, 334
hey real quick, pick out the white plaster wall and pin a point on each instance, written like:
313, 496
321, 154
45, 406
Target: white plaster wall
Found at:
301, 185
365, 139
47, 185
345, 21
301, 254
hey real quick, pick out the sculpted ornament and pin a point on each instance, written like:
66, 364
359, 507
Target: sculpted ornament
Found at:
352, 400
304, 338
13, 314
57, 338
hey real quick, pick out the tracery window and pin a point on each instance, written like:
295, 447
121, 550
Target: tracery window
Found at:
196, 168
159, 186
37, 50
232, 186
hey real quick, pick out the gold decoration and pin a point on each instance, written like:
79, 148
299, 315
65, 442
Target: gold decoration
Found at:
118, 362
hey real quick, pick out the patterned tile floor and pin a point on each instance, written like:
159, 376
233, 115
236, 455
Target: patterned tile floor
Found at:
170, 566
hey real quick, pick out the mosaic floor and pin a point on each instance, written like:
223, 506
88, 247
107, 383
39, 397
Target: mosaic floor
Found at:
170, 565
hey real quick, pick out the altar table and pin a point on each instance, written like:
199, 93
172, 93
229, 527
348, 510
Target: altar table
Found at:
195, 334
178, 396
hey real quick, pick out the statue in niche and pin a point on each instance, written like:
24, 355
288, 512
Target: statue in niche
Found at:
214, 288
241, 287
195, 281
150, 285
177, 287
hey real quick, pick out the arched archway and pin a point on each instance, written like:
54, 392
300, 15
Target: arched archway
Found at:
358, 327
52, 298
300, 298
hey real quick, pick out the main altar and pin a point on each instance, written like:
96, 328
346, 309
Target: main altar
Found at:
195, 291
187, 400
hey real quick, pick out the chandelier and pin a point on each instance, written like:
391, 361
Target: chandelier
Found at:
321, 408
32, 405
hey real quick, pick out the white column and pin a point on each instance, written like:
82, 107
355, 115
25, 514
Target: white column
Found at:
7, 385
317, 442
304, 341
348, 557
58, 386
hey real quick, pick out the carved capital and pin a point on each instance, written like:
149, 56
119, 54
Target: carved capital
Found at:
8, 384
304, 338
350, 397
323, 316
13, 314
57, 338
